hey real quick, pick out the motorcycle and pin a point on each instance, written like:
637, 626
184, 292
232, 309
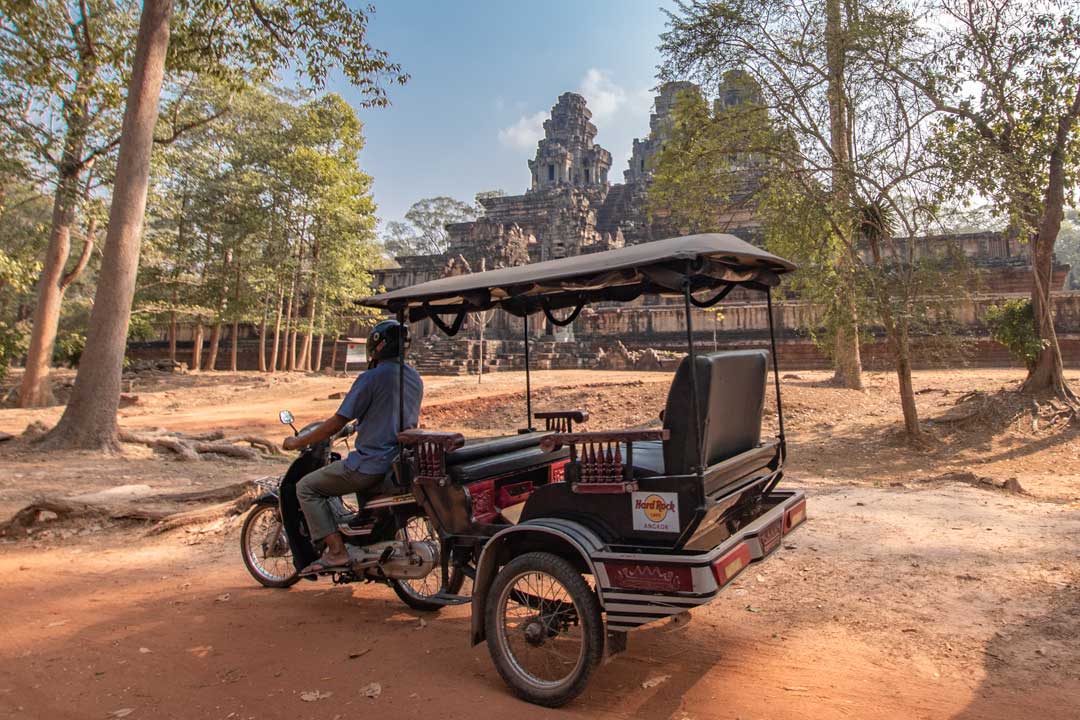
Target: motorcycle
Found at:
388, 537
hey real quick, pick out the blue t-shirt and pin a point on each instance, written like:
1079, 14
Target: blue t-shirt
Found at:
373, 400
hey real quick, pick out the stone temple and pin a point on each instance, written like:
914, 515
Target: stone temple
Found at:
571, 207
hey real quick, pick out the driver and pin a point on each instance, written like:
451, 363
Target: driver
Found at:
373, 403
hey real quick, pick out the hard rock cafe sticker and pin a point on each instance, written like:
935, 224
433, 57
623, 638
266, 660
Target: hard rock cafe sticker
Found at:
656, 511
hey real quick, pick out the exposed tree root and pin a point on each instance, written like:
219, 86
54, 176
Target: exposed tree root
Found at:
193, 447
167, 510
1024, 411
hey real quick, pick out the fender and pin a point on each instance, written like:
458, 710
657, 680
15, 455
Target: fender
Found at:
270, 498
566, 538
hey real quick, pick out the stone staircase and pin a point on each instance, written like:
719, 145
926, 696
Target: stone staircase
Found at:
443, 356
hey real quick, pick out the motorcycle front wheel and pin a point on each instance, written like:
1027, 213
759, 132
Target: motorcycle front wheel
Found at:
418, 593
265, 547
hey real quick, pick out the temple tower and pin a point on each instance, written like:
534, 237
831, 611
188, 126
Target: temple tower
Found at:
568, 155
659, 125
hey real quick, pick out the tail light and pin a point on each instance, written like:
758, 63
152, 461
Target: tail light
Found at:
795, 517
731, 564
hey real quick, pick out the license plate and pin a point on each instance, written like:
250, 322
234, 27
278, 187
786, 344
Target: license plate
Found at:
770, 536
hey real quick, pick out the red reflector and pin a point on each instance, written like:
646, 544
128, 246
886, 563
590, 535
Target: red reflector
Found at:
483, 500
731, 564
795, 516
557, 471
632, 576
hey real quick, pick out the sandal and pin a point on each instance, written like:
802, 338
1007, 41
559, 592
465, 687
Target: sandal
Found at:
323, 566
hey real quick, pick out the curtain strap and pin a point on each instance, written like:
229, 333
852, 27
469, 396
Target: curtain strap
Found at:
546, 307
450, 330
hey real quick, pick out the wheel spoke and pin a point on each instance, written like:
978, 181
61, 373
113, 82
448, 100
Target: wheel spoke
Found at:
267, 548
542, 641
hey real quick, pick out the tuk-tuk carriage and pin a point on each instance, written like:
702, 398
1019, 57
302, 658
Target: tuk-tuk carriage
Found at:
574, 538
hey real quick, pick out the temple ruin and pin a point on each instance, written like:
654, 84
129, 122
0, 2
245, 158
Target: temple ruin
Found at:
571, 208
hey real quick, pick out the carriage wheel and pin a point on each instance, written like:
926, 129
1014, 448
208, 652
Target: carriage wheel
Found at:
544, 628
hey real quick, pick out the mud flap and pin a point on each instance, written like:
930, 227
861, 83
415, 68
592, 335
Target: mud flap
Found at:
615, 645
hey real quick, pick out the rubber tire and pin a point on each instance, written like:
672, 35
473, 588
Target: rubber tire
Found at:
589, 616
457, 579
454, 583
255, 510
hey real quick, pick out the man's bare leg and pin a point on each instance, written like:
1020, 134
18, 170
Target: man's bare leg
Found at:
335, 553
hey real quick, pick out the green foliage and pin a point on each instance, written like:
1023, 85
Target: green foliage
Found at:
13, 342
267, 202
424, 229
1013, 325
1068, 249
69, 349
1009, 74
24, 213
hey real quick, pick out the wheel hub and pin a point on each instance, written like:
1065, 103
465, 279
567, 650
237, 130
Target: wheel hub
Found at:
535, 632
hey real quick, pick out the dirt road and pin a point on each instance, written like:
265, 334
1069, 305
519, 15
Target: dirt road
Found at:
915, 591
887, 605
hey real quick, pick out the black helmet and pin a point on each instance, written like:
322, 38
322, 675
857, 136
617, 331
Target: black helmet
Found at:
385, 340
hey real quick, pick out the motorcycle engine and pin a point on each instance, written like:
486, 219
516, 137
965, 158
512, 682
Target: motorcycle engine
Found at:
394, 560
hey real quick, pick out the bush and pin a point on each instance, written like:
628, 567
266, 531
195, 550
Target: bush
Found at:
1013, 325
13, 340
69, 349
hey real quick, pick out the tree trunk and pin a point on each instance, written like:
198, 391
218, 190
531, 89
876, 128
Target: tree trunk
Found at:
294, 323
333, 354
304, 359
316, 366
35, 390
172, 336
846, 355
907, 390
285, 338
235, 339
262, 334
89, 421
215, 343
277, 331
196, 348
1048, 372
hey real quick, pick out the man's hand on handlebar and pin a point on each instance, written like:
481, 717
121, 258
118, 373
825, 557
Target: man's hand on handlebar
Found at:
327, 429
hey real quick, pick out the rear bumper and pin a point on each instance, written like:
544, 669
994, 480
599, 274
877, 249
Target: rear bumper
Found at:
637, 588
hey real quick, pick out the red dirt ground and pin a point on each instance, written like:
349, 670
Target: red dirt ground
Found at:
915, 591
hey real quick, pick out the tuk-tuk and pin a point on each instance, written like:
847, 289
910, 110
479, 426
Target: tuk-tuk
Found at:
574, 538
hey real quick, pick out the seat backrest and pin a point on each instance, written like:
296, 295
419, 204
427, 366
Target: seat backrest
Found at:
731, 385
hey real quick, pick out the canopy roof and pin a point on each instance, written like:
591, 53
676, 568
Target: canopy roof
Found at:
708, 261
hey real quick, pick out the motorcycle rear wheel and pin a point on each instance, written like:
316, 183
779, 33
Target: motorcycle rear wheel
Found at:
417, 593
265, 548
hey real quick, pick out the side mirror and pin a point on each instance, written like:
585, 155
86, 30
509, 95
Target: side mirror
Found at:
286, 417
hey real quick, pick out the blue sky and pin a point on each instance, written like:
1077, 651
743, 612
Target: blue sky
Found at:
485, 74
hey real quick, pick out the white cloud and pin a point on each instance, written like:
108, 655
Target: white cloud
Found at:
525, 133
604, 95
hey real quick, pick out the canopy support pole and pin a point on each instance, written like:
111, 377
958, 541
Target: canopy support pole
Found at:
695, 401
528, 384
401, 370
776, 377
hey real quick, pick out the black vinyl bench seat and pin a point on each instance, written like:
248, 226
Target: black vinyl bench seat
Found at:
500, 456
